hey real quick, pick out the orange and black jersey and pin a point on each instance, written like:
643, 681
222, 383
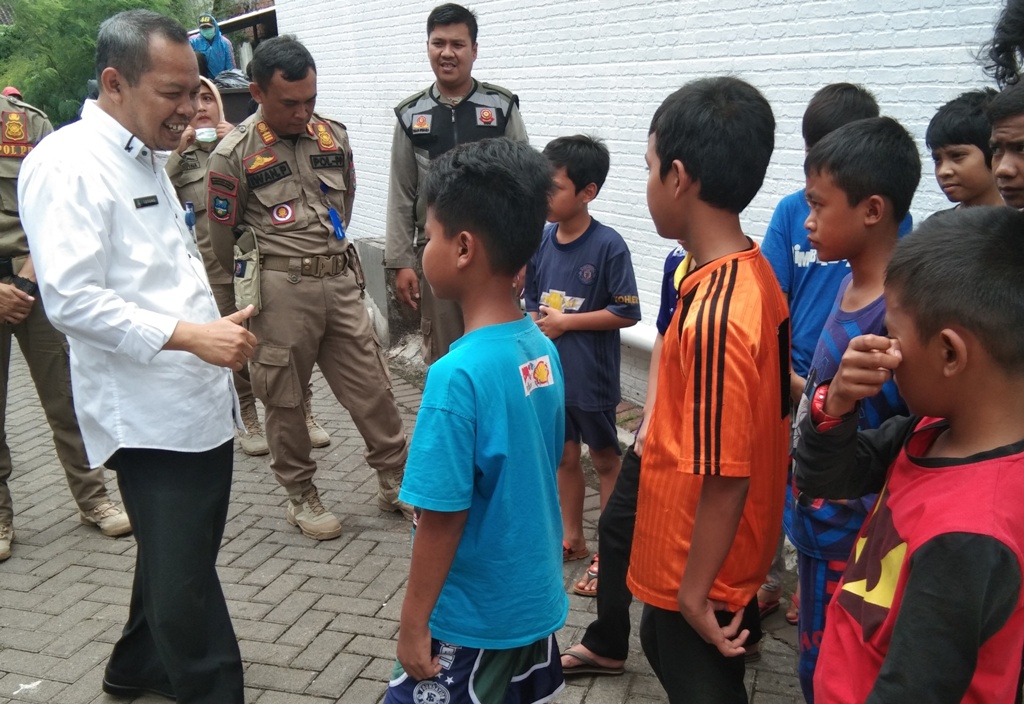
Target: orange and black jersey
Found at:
722, 410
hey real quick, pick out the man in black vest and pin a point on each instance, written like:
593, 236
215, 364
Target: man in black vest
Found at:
456, 109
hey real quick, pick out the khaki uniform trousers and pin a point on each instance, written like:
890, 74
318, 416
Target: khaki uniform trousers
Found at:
441, 321
224, 295
46, 352
307, 320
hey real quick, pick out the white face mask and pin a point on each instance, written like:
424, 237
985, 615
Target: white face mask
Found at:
206, 134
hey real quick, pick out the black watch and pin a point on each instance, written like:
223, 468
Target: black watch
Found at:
26, 285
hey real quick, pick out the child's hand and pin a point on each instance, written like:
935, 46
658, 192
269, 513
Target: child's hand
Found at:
551, 322
414, 653
701, 617
867, 364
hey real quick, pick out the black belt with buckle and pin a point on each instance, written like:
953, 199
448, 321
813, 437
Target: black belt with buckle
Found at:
316, 265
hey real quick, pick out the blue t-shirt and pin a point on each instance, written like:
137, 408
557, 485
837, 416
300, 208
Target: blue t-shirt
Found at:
818, 527
669, 291
488, 438
809, 285
594, 272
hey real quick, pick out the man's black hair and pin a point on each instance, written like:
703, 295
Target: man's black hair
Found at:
876, 156
1008, 103
123, 41
834, 106
964, 268
723, 131
450, 13
963, 121
496, 189
1004, 52
283, 53
584, 158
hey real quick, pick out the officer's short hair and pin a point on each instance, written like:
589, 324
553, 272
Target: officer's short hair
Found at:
1009, 103
283, 53
450, 13
498, 190
584, 158
123, 41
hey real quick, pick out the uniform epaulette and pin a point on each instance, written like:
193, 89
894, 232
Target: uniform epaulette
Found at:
411, 99
26, 106
232, 138
491, 88
317, 117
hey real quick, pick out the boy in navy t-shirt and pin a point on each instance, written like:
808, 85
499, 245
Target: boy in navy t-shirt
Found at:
581, 290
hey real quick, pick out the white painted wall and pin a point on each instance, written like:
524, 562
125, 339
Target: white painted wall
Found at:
602, 67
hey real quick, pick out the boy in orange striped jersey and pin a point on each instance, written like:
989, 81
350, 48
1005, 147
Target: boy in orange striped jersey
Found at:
714, 467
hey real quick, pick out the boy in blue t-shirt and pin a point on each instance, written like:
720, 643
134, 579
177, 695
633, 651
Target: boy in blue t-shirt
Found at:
581, 290
484, 456
856, 208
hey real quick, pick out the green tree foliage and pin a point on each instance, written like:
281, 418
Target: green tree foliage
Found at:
49, 52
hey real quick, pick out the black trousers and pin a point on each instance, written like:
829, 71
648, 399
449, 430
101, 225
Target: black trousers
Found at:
608, 635
179, 637
689, 669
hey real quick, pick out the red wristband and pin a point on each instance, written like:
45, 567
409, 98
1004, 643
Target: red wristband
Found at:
822, 421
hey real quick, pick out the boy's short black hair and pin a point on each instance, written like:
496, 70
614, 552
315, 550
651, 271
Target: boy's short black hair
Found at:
723, 131
496, 189
283, 53
584, 158
964, 268
963, 121
833, 106
876, 156
1008, 103
450, 13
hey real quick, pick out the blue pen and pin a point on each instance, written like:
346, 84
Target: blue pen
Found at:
339, 229
190, 218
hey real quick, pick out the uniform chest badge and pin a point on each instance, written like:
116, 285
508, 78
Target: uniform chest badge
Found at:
282, 214
421, 124
259, 160
263, 130
14, 127
484, 117
324, 138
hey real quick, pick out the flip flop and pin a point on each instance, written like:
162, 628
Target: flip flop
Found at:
589, 666
793, 612
590, 575
568, 554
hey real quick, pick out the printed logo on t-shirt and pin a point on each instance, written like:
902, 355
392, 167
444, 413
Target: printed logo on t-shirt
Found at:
430, 692
536, 374
587, 274
561, 302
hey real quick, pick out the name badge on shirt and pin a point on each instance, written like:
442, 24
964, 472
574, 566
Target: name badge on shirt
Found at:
145, 202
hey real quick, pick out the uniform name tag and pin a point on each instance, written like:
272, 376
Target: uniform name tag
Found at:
269, 175
145, 201
189, 162
421, 124
327, 161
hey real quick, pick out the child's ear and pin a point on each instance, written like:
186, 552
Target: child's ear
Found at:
953, 348
466, 246
683, 180
589, 192
876, 208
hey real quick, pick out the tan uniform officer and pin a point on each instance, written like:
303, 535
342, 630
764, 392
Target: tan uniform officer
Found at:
454, 110
286, 175
45, 350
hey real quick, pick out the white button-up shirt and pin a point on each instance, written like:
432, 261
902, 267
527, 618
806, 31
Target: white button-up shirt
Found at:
117, 270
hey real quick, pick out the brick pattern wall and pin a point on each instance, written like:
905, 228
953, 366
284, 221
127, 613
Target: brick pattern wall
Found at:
602, 67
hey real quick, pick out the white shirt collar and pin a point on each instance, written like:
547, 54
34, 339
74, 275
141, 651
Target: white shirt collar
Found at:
109, 128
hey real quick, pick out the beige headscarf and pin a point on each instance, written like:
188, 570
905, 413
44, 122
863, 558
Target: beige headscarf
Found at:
216, 94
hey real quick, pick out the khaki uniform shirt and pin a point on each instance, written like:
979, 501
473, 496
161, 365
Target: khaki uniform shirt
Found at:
282, 187
21, 128
188, 174
425, 127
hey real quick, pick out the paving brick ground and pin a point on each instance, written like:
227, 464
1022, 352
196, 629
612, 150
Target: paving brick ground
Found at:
316, 621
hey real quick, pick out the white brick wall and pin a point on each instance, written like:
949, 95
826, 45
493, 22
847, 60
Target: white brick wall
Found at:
603, 67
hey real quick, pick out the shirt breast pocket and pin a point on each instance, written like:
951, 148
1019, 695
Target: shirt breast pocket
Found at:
334, 182
282, 205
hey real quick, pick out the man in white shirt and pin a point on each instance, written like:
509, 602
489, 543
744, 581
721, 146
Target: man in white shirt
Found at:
120, 275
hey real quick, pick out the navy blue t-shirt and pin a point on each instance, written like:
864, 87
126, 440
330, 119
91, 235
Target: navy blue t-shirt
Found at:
593, 272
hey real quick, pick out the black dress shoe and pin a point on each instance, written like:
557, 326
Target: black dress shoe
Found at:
124, 689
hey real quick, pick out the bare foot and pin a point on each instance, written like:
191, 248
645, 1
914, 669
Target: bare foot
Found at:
570, 662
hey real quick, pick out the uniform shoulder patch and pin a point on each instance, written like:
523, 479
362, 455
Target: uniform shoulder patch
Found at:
504, 92
411, 100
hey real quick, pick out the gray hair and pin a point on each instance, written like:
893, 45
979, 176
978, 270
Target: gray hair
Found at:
123, 41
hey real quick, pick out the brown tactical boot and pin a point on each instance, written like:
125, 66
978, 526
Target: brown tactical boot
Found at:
389, 483
253, 441
317, 435
309, 515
